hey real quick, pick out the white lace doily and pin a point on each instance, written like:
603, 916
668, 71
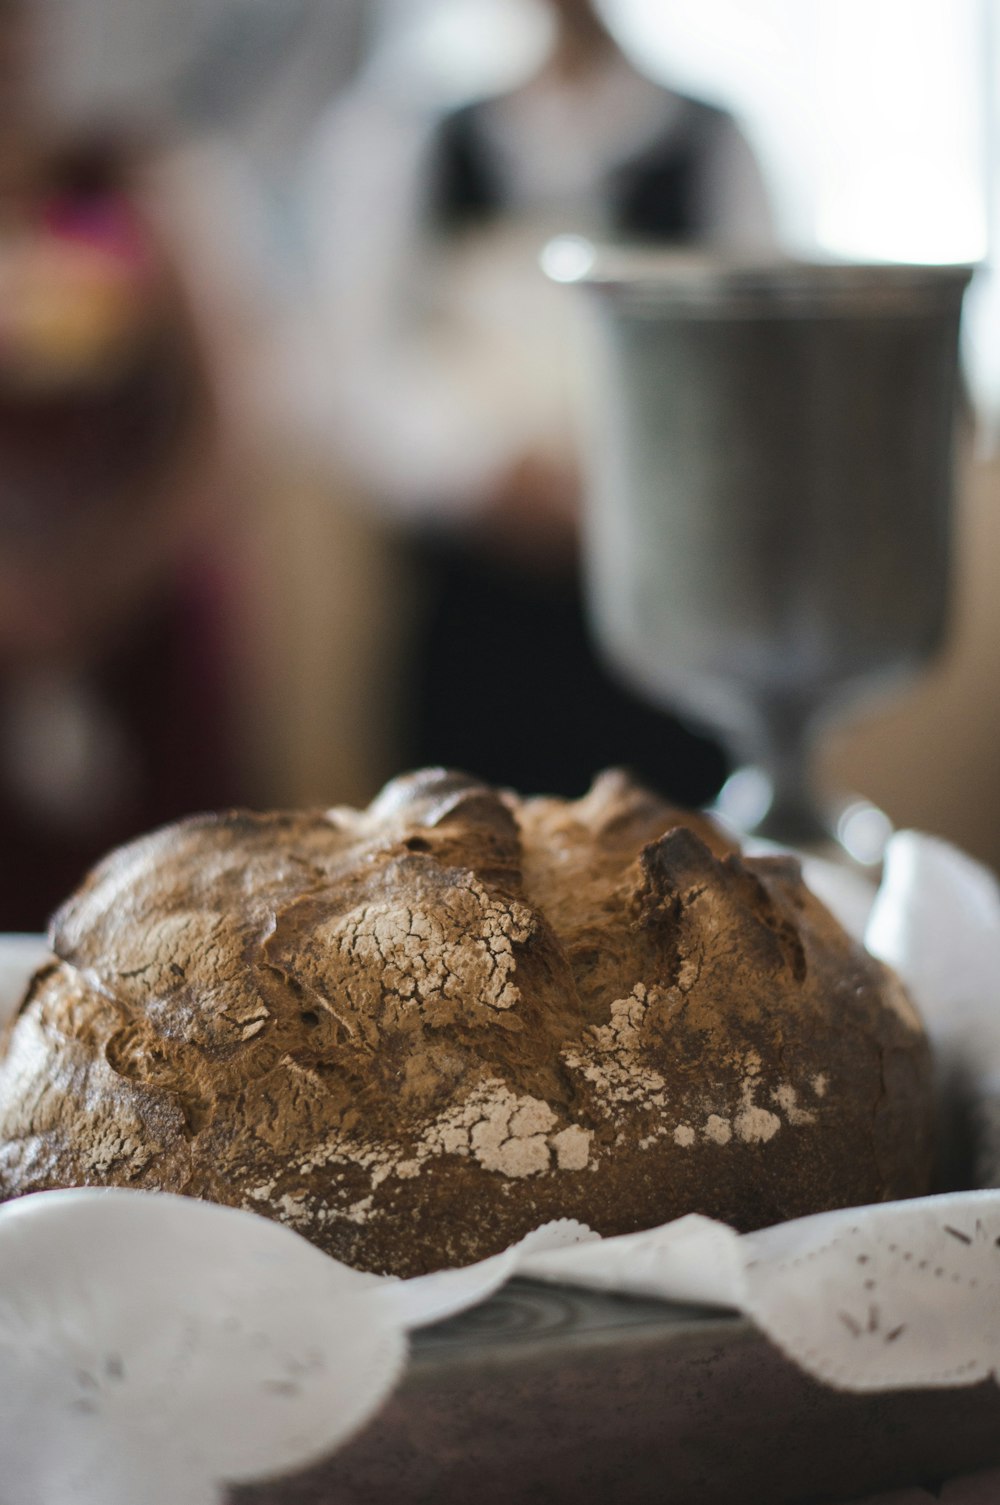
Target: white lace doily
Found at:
153, 1346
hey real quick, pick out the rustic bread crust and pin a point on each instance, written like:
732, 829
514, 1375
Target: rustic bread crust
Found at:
414, 1032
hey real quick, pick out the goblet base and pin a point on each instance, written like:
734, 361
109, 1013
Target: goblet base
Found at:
849, 828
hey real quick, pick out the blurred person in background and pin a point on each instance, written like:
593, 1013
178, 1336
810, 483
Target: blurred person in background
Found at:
454, 395
115, 624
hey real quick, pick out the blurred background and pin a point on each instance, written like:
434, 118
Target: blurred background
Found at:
288, 470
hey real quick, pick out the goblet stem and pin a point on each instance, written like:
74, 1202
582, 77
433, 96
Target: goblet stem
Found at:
772, 793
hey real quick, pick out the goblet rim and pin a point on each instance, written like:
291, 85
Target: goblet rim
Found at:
719, 283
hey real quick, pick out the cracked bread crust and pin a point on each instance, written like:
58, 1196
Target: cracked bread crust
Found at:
416, 1031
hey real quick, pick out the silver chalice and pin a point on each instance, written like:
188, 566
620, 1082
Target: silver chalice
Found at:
768, 510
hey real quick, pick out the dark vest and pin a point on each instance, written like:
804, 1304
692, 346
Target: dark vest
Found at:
651, 195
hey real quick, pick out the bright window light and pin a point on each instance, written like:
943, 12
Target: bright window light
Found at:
868, 114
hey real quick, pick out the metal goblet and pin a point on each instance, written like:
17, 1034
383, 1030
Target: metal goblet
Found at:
768, 515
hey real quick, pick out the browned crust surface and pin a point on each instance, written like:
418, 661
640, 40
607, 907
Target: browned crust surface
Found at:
414, 1032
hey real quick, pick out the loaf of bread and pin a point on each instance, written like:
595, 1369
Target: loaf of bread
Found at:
415, 1032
